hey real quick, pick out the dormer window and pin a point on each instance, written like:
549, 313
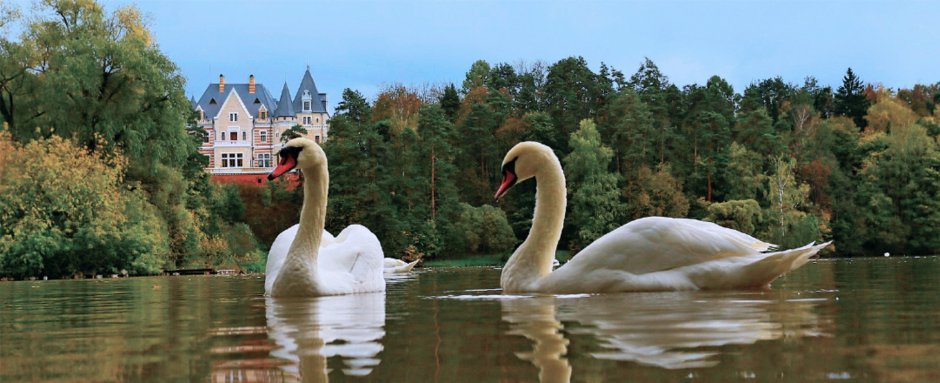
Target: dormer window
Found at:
257, 101
212, 101
307, 101
233, 117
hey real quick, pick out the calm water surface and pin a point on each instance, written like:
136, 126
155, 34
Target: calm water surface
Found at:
849, 320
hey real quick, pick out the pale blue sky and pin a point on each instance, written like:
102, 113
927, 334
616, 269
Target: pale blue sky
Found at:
366, 44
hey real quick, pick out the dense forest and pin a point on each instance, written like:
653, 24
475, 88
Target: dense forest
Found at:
785, 162
99, 170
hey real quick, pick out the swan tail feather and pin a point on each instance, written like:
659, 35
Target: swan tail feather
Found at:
754, 273
403, 268
779, 263
409, 266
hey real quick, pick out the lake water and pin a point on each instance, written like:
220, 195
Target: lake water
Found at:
845, 320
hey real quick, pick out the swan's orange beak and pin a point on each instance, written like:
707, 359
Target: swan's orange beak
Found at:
287, 163
509, 179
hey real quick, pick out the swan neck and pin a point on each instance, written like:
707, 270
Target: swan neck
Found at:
533, 259
306, 244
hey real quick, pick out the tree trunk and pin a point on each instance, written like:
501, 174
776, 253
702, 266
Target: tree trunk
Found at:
433, 196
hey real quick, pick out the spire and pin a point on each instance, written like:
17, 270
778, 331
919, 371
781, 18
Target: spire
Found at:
284, 107
309, 88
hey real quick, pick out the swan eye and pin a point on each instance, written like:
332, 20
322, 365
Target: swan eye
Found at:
509, 166
289, 151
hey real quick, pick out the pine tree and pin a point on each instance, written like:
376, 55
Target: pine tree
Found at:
850, 100
595, 202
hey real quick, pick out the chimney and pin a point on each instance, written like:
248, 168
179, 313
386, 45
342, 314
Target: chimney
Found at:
221, 83
251, 84
323, 100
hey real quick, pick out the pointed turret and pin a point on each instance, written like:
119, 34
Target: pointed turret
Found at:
308, 92
284, 107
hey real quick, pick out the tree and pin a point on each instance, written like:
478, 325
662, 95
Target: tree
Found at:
850, 100
744, 173
654, 194
754, 130
572, 93
70, 213
399, 105
477, 76
790, 226
769, 94
661, 98
450, 102
293, 132
740, 215
99, 79
628, 127
434, 143
595, 203
901, 185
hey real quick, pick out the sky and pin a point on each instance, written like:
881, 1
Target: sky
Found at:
367, 45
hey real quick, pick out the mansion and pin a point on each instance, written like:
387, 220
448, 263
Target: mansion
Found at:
244, 124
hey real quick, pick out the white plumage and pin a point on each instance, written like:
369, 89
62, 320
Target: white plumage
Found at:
305, 260
648, 254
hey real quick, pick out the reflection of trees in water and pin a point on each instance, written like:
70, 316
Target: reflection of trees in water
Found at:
667, 330
310, 331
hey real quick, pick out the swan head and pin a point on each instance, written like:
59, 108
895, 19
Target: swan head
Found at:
298, 153
522, 162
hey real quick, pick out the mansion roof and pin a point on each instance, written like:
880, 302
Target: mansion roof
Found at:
212, 100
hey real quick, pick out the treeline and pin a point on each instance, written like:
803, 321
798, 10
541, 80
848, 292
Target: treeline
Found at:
99, 168
786, 162
99, 173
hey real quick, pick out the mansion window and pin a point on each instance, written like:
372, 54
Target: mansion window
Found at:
263, 115
233, 117
233, 136
205, 138
232, 160
244, 136
263, 136
317, 139
264, 160
307, 99
306, 120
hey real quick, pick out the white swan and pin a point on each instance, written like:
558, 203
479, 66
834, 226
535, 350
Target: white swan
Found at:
304, 259
648, 254
323, 334
394, 265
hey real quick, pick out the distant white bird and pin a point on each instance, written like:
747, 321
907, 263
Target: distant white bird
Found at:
393, 265
648, 254
887, 254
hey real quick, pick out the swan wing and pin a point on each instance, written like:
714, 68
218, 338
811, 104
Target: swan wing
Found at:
277, 255
354, 259
658, 243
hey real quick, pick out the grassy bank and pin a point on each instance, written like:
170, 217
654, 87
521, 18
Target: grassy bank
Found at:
483, 260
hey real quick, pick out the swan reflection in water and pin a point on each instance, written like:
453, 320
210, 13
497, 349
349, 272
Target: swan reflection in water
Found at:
675, 330
309, 331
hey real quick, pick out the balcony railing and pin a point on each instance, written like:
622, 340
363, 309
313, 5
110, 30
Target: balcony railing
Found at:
243, 170
229, 144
